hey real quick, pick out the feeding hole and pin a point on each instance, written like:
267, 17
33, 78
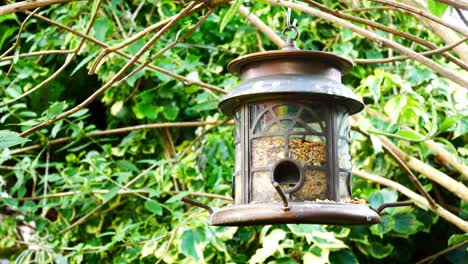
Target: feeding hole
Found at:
288, 174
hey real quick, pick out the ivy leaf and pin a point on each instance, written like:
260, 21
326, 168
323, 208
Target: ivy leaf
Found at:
192, 243
154, 207
386, 225
406, 223
379, 250
269, 246
345, 256
229, 14
436, 8
9, 138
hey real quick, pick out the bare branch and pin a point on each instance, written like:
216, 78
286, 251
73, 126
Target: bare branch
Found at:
431, 258
37, 53
181, 78
171, 45
463, 81
26, 5
122, 130
67, 61
426, 53
441, 31
261, 26
380, 26
420, 201
463, 4
425, 14
117, 76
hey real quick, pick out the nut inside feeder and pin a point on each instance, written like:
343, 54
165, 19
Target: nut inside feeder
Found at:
292, 141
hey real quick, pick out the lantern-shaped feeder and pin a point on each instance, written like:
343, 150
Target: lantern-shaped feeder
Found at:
292, 156
292, 141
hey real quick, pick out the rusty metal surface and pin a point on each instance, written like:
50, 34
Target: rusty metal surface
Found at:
310, 56
300, 212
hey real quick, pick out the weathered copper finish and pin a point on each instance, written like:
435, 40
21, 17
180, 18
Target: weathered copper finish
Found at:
299, 212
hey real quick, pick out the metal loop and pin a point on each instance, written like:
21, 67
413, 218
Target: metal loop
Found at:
292, 28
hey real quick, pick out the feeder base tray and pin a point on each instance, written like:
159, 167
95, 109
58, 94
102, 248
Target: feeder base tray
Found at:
299, 213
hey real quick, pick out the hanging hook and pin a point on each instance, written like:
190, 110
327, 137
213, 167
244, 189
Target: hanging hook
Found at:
289, 42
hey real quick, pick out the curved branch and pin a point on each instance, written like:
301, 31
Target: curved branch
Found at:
463, 4
425, 53
425, 14
110, 83
463, 81
121, 130
420, 201
25, 5
37, 53
380, 26
181, 78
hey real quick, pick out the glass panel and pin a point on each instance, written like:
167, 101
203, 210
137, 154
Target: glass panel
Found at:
311, 150
274, 128
286, 110
237, 189
286, 124
314, 116
342, 122
344, 186
315, 186
266, 150
344, 157
266, 118
299, 128
238, 155
262, 189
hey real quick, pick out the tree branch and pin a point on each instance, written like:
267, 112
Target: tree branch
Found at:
376, 38
261, 26
424, 14
181, 78
425, 53
37, 53
122, 130
117, 76
442, 252
420, 201
25, 5
463, 4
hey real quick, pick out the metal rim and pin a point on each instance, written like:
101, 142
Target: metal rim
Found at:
300, 212
344, 64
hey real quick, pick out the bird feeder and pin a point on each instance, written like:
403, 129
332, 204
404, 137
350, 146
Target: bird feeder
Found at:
292, 141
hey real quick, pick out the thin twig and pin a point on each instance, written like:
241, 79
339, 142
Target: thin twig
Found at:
442, 252
25, 5
171, 45
116, 131
37, 53
117, 76
65, 65
425, 14
380, 26
261, 26
414, 180
420, 200
181, 78
461, 80
425, 53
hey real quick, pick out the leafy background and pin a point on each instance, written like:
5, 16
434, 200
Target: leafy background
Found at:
116, 198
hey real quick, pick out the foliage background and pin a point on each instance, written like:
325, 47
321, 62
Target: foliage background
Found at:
116, 198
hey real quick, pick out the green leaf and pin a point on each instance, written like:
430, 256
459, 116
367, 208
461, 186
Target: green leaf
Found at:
318, 235
409, 135
230, 14
154, 207
379, 250
345, 256
457, 239
394, 106
270, 245
437, 8
386, 225
54, 110
9, 138
170, 112
406, 223
192, 243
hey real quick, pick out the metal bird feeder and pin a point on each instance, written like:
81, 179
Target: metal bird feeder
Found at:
292, 141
